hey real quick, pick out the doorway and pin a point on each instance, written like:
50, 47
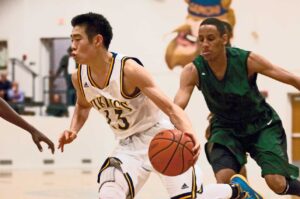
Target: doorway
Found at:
53, 50
3, 55
295, 101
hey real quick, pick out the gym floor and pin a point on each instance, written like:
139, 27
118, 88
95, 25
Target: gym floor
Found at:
81, 184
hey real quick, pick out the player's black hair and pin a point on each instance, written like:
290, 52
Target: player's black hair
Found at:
229, 32
215, 22
94, 24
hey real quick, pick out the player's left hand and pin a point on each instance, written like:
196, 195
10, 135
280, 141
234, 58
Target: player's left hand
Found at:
38, 137
196, 149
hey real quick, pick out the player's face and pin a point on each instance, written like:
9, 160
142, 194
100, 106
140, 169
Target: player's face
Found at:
83, 51
211, 43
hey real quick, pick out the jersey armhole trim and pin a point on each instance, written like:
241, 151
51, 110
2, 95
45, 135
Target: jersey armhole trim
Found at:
106, 83
199, 77
137, 91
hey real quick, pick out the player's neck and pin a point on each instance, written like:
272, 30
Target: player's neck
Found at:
101, 62
100, 68
219, 66
218, 62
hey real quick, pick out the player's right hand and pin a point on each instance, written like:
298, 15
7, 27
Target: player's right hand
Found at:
66, 138
196, 148
38, 137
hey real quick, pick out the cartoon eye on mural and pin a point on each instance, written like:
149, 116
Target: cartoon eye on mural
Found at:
183, 48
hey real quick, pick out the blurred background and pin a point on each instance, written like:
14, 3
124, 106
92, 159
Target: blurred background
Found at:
35, 68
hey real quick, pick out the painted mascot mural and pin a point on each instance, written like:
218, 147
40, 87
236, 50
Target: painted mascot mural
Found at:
183, 48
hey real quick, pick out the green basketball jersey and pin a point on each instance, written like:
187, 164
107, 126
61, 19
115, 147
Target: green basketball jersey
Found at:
235, 99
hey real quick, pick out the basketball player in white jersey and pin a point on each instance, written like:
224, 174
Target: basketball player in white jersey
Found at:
122, 90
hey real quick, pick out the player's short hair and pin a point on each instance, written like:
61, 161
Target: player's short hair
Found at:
215, 22
94, 24
229, 32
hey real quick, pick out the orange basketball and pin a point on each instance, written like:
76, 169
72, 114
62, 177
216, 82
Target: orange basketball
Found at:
170, 152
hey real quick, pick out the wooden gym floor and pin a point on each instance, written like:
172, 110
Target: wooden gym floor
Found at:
80, 184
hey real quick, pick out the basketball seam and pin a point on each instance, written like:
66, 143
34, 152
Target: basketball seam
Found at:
184, 144
167, 165
182, 154
161, 150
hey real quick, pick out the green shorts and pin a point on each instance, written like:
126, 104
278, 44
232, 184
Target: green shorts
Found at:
268, 147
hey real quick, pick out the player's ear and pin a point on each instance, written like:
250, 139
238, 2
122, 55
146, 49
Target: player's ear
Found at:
98, 40
225, 39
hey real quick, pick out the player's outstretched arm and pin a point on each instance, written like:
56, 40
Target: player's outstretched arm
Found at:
258, 64
80, 115
188, 81
137, 76
11, 116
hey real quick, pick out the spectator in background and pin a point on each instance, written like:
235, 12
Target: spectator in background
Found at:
14, 94
57, 108
16, 98
67, 65
5, 85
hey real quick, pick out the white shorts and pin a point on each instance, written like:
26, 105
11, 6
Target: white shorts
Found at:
132, 152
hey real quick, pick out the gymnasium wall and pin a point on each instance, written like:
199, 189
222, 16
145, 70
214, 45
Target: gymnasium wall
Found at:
141, 28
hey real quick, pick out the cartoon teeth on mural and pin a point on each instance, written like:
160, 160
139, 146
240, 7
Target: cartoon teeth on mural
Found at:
183, 48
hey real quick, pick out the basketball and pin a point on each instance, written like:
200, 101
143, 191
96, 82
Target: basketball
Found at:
170, 152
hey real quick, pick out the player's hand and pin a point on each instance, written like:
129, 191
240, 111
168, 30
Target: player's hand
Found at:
66, 138
38, 137
196, 149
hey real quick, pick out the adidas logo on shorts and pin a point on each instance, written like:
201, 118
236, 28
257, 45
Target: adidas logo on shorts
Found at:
184, 186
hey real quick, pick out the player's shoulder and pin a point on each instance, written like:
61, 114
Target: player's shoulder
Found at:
126, 58
189, 68
74, 78
236, 52
131, 63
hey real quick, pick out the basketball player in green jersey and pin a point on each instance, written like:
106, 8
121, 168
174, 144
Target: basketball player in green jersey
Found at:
11, 116
124, 92
229, 32
242, 120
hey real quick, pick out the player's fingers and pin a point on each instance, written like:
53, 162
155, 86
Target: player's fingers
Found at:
60, 145
37, 143
196, 143
61, 139
62, 148
195, 157
67, 136
52, 149
50, 145
191, 135
196, 148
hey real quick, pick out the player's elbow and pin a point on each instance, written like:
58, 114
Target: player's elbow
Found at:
182, 105
295, 81
180, 102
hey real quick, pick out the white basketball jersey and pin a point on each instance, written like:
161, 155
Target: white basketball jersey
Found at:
125, 114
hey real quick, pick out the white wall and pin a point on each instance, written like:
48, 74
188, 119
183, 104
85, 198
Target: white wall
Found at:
94, 141
141, 29
137, 25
